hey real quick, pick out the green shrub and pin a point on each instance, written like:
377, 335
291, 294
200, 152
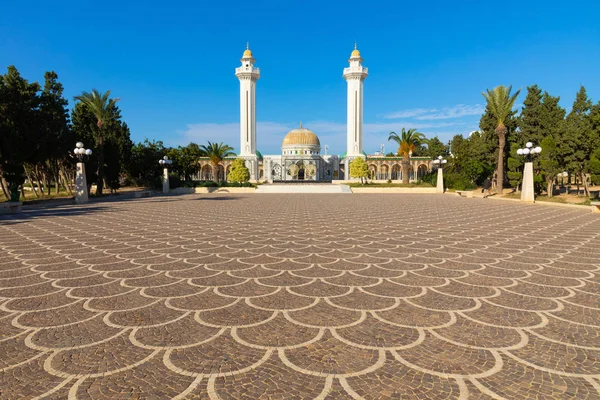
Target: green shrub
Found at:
174, 180
238, 172
458, 181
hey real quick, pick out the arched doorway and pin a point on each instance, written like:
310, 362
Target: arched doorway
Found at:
206, 173
421, 171
384, 172
220, 173
396, 172
372, 171
301, 171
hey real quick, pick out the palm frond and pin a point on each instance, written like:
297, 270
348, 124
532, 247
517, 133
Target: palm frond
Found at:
500, 102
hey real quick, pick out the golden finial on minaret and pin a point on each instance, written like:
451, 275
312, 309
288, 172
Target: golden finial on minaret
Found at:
355, 53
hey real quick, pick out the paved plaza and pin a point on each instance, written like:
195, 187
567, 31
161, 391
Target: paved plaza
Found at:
287, 296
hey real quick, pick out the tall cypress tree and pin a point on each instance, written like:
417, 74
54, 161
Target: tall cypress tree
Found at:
530, 120
54, 125
19, 102
578, 141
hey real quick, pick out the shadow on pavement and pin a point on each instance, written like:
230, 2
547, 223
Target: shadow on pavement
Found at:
27, 215
218, 198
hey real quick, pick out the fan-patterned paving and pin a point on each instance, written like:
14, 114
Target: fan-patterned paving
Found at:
300, 297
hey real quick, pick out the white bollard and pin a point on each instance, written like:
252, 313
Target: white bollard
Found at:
166, 180
440, 181
81, 190
527, 193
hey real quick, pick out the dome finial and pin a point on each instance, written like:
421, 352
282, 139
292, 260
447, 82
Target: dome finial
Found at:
300, 124
355, 53
247, 52
248, 45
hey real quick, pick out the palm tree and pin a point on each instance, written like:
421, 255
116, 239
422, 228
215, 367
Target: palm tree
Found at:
216, 152
407, 141
102, 107
500, 104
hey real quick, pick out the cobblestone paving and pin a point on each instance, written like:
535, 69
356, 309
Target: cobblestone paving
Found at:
301, 297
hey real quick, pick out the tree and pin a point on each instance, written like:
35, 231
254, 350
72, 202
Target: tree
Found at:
515, 164
553, 124
530, 121
435, 148
239, 172
549, 164
216, 152
595, 166
595, 157
359, 169
185, 160
500, 103
102, 107
19, 128
144, 167
579, 140
407, 142
55, 127
117, 150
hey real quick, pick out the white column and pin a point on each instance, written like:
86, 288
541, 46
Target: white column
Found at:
440, 181
355, 75
81, 190
248, 75
527, 193
165, 180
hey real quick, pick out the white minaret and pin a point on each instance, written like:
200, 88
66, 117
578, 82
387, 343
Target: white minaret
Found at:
354, 75
248, 75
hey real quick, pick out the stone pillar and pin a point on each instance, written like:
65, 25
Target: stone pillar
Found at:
165, 180
440, 181
81, 190
527, 193
346, 169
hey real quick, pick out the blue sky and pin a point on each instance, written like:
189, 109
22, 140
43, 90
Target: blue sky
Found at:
172, 63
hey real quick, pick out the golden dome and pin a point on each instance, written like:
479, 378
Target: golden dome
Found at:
247, 54
355, 54
301, 136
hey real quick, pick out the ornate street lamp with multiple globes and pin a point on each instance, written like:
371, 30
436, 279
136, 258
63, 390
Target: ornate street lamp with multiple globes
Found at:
80, 151
529, 150
165, 163
81, 189
440, 161
527, 193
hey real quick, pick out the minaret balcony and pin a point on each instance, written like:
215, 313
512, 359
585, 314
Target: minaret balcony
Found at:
247, 69
359, 70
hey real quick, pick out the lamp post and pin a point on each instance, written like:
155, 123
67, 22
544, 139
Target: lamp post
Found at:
529, 151
440, 161
165, 162
81, 189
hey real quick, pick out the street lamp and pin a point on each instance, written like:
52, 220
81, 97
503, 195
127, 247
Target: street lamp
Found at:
529, 151
440, 161
81, 189
165, 162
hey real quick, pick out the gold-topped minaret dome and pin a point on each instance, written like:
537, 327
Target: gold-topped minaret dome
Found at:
247, 52
355, 53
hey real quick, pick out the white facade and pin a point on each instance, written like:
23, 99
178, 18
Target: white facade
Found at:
355, 76
248, 75
300, 157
